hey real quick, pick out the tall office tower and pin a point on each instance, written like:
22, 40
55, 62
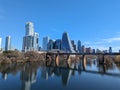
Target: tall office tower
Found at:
66, 43
31, 39
73, 44
83, 49
0, 43
93, 50
36, 41
50, 45
45, 42
8, 43
27, 43
29, 28
79, 46
58, 44
110, 49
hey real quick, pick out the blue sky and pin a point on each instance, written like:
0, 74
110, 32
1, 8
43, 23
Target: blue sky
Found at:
95, 22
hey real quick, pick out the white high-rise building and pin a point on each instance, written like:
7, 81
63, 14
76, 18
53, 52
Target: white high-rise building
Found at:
29, 28
36, 41
0, 43
45, 43
8, 43
31, 39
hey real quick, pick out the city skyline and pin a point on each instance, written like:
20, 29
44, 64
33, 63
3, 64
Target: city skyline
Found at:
31, 43
95, 23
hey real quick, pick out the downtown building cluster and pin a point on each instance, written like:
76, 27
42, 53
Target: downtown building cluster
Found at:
69, 46
65, 44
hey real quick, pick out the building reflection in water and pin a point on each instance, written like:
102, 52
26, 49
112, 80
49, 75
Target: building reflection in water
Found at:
44, 73
62, 71
28, 72
4, 75
28, 77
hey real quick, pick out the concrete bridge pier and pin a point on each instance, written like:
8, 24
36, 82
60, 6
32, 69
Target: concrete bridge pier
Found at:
57, 60
68, 61
47, 59
101, 59
84, 62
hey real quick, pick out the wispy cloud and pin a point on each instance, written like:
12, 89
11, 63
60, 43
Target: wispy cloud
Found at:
103, 44
87, 43
110, 40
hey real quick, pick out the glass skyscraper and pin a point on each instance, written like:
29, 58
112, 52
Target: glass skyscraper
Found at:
45, 42
50, 44
66, 43
36, 41
29, 29
8, 43
79, 46
58, 44
31, 39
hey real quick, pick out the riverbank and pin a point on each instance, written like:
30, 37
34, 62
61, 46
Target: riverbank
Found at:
32, 56
20, 57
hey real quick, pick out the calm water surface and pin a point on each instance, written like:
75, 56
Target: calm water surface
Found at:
72, 76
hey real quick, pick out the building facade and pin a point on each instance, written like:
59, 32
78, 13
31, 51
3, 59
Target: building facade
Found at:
36, 41
83, 49
29, 29
8, 43
79, 47
31, 38
88, 50
110, 49
73, 45
45, 42
58, 44
50, 44
66, 43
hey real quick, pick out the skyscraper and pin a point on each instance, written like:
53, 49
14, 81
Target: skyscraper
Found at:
8, 43
58, 44
27, 43
66, 43
73, 44
31, 39
79, 46
45, 42
0, 43
83, 49
29, 29
50, 45
36, 41
110, 49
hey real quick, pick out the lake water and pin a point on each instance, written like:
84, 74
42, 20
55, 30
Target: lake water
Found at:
37, 76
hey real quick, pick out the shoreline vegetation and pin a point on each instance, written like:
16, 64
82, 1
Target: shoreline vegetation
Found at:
8, 57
